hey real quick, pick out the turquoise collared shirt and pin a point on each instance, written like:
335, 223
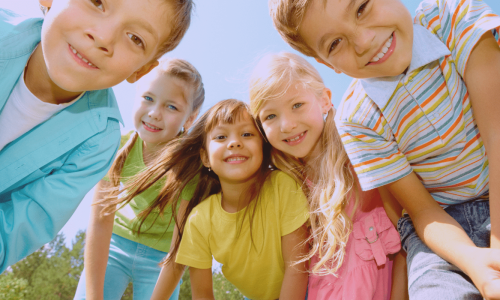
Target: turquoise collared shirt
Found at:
45, 173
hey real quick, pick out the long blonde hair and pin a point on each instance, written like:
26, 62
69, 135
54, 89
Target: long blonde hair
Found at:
177, 68
332, 187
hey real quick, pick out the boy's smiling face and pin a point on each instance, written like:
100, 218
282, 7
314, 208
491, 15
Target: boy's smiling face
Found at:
361, 38
93, 44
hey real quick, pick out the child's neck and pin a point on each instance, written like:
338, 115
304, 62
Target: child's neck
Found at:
150, 151
39, 83
232, 195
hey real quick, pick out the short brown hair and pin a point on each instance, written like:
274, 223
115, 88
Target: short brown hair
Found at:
179, 23
287, 16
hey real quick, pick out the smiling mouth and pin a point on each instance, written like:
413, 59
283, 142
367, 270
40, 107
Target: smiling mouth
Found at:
296, 138
151, 126
236, 159
83, 60
384, 53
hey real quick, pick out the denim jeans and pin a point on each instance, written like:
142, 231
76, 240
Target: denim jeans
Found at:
430, 276
129, 261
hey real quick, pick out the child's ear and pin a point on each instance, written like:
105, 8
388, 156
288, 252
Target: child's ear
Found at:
326, 100
142, 71
204, 158
328, 65
190, 120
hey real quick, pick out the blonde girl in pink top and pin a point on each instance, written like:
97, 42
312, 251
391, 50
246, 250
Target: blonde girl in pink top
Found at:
352, 239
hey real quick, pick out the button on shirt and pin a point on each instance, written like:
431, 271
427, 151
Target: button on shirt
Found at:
422, 121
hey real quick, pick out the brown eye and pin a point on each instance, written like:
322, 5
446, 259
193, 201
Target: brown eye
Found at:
361, 9
135, 39
334, 45
97, 3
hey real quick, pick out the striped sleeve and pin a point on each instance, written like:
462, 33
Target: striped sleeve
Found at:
459, 24
369, 141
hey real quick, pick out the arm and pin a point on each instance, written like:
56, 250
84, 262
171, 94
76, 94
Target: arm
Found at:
201, 284
97, 245
399, 287
443, 235
294, 248
481, 77
37, 211
171, 273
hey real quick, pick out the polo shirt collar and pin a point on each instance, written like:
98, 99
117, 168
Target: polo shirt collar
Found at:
426, 48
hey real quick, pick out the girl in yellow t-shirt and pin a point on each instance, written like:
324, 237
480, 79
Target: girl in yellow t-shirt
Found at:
245, 215
167, 101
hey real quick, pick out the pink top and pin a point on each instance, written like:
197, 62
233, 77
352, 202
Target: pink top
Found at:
366, 272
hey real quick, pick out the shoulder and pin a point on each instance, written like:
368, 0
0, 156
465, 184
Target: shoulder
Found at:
202, 212
104, 104
281, 180
17, 28
355, 105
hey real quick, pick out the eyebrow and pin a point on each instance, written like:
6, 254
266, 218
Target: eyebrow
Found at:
350, 6
148, 28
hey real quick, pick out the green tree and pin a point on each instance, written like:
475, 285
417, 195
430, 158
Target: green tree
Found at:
223, 289
12, 288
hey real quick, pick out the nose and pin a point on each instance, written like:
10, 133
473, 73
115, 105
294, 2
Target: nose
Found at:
154, 113
362, 40
103, 36
287, 125
235, 143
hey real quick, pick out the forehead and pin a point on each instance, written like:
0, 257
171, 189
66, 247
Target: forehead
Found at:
286, 93
241, 119
164, 86
152, 15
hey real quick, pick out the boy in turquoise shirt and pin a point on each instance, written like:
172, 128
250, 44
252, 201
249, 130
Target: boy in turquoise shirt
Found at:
75, 54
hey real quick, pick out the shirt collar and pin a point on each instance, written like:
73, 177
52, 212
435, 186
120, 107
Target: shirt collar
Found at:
426, 48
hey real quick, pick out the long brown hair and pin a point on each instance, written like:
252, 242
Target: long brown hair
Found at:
195, 95
180, 163
329, 194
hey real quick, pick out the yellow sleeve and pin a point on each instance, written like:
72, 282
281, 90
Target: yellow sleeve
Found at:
292, 203
194, 250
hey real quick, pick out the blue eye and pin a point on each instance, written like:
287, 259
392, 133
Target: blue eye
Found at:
270, 117
172, 107
147, 98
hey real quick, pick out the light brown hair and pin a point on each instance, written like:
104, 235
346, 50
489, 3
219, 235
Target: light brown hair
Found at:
335, 180
287, 16
177, 68
180, 163
179, 24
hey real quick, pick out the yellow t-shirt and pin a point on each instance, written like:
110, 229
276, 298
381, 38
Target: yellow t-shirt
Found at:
256, 270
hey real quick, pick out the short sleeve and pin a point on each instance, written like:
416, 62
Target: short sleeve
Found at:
188, 191
194, 250
370, 143
293, 208
459, 24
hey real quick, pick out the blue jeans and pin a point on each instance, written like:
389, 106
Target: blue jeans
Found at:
129, 261
431, 277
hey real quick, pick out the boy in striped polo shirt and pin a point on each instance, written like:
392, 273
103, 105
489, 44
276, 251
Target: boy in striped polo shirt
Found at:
410, 123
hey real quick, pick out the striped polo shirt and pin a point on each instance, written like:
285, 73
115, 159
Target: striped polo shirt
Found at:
422, 121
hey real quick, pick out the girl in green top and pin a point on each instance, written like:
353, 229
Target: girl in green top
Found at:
121, 246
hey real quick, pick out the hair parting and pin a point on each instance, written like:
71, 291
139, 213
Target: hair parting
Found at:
334, 183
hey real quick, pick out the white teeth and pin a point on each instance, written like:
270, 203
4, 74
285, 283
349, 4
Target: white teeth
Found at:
74, 51
383, 51
85, 60
236, 159
90, 64
296, 138
150, 126
79, 56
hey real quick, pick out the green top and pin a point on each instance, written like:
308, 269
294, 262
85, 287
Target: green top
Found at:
159, 234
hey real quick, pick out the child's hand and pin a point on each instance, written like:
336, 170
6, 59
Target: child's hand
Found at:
485, 272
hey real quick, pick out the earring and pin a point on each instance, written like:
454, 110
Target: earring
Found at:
209, 169
44, 9
182, 130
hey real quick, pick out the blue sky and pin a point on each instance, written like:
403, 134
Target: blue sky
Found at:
224, 42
